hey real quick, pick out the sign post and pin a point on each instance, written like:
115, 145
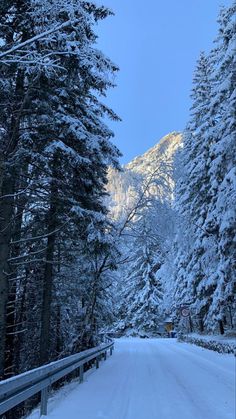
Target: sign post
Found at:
185, 312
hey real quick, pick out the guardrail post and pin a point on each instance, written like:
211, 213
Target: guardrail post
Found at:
111, 350
105, 355
81, 373
97, 362
44, 402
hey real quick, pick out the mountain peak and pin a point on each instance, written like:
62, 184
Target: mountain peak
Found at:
123, 186
165, 148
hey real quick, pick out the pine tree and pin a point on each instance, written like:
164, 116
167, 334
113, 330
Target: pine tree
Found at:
53, 129
221, 217
205, 194
192, 194
142, 292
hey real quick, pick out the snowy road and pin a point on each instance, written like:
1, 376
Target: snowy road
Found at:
154, 379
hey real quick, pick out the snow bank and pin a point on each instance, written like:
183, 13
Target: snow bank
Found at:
214, 343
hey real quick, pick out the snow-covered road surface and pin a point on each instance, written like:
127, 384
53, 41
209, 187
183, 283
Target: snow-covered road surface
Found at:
154, 379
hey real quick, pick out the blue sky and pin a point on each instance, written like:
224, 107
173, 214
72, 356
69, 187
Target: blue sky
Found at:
156, 44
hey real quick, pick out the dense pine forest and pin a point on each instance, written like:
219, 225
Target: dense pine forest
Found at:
55, 249
87, 246
178, 204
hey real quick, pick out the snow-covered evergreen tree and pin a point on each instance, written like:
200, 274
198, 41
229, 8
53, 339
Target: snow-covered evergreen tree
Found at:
192, 192
55, 151
221, 216
141, 311
206, 194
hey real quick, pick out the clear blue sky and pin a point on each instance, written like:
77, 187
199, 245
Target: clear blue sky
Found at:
156, 44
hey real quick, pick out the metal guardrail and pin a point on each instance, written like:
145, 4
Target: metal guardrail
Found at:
16, 390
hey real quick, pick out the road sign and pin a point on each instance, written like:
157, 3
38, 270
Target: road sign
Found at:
185, 312
169, 327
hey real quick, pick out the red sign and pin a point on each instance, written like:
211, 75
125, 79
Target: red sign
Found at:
185, 312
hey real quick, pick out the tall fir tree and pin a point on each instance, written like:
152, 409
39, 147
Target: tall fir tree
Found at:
142, 294
205, 194
221, 217
55, 153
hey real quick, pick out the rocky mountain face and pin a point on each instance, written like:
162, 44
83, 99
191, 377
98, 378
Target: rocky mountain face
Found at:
154, 167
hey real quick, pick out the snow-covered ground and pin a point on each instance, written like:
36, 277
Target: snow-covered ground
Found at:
152, 379
217, 338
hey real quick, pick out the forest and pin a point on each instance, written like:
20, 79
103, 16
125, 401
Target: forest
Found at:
75, 261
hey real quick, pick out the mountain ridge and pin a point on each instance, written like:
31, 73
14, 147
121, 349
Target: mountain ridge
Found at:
171, 139
123, 186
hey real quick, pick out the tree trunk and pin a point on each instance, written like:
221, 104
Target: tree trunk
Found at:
6, 214
190, 324
8, 181
221, 326
58, 330
11, 319
231, 318
45, 341
201, 325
